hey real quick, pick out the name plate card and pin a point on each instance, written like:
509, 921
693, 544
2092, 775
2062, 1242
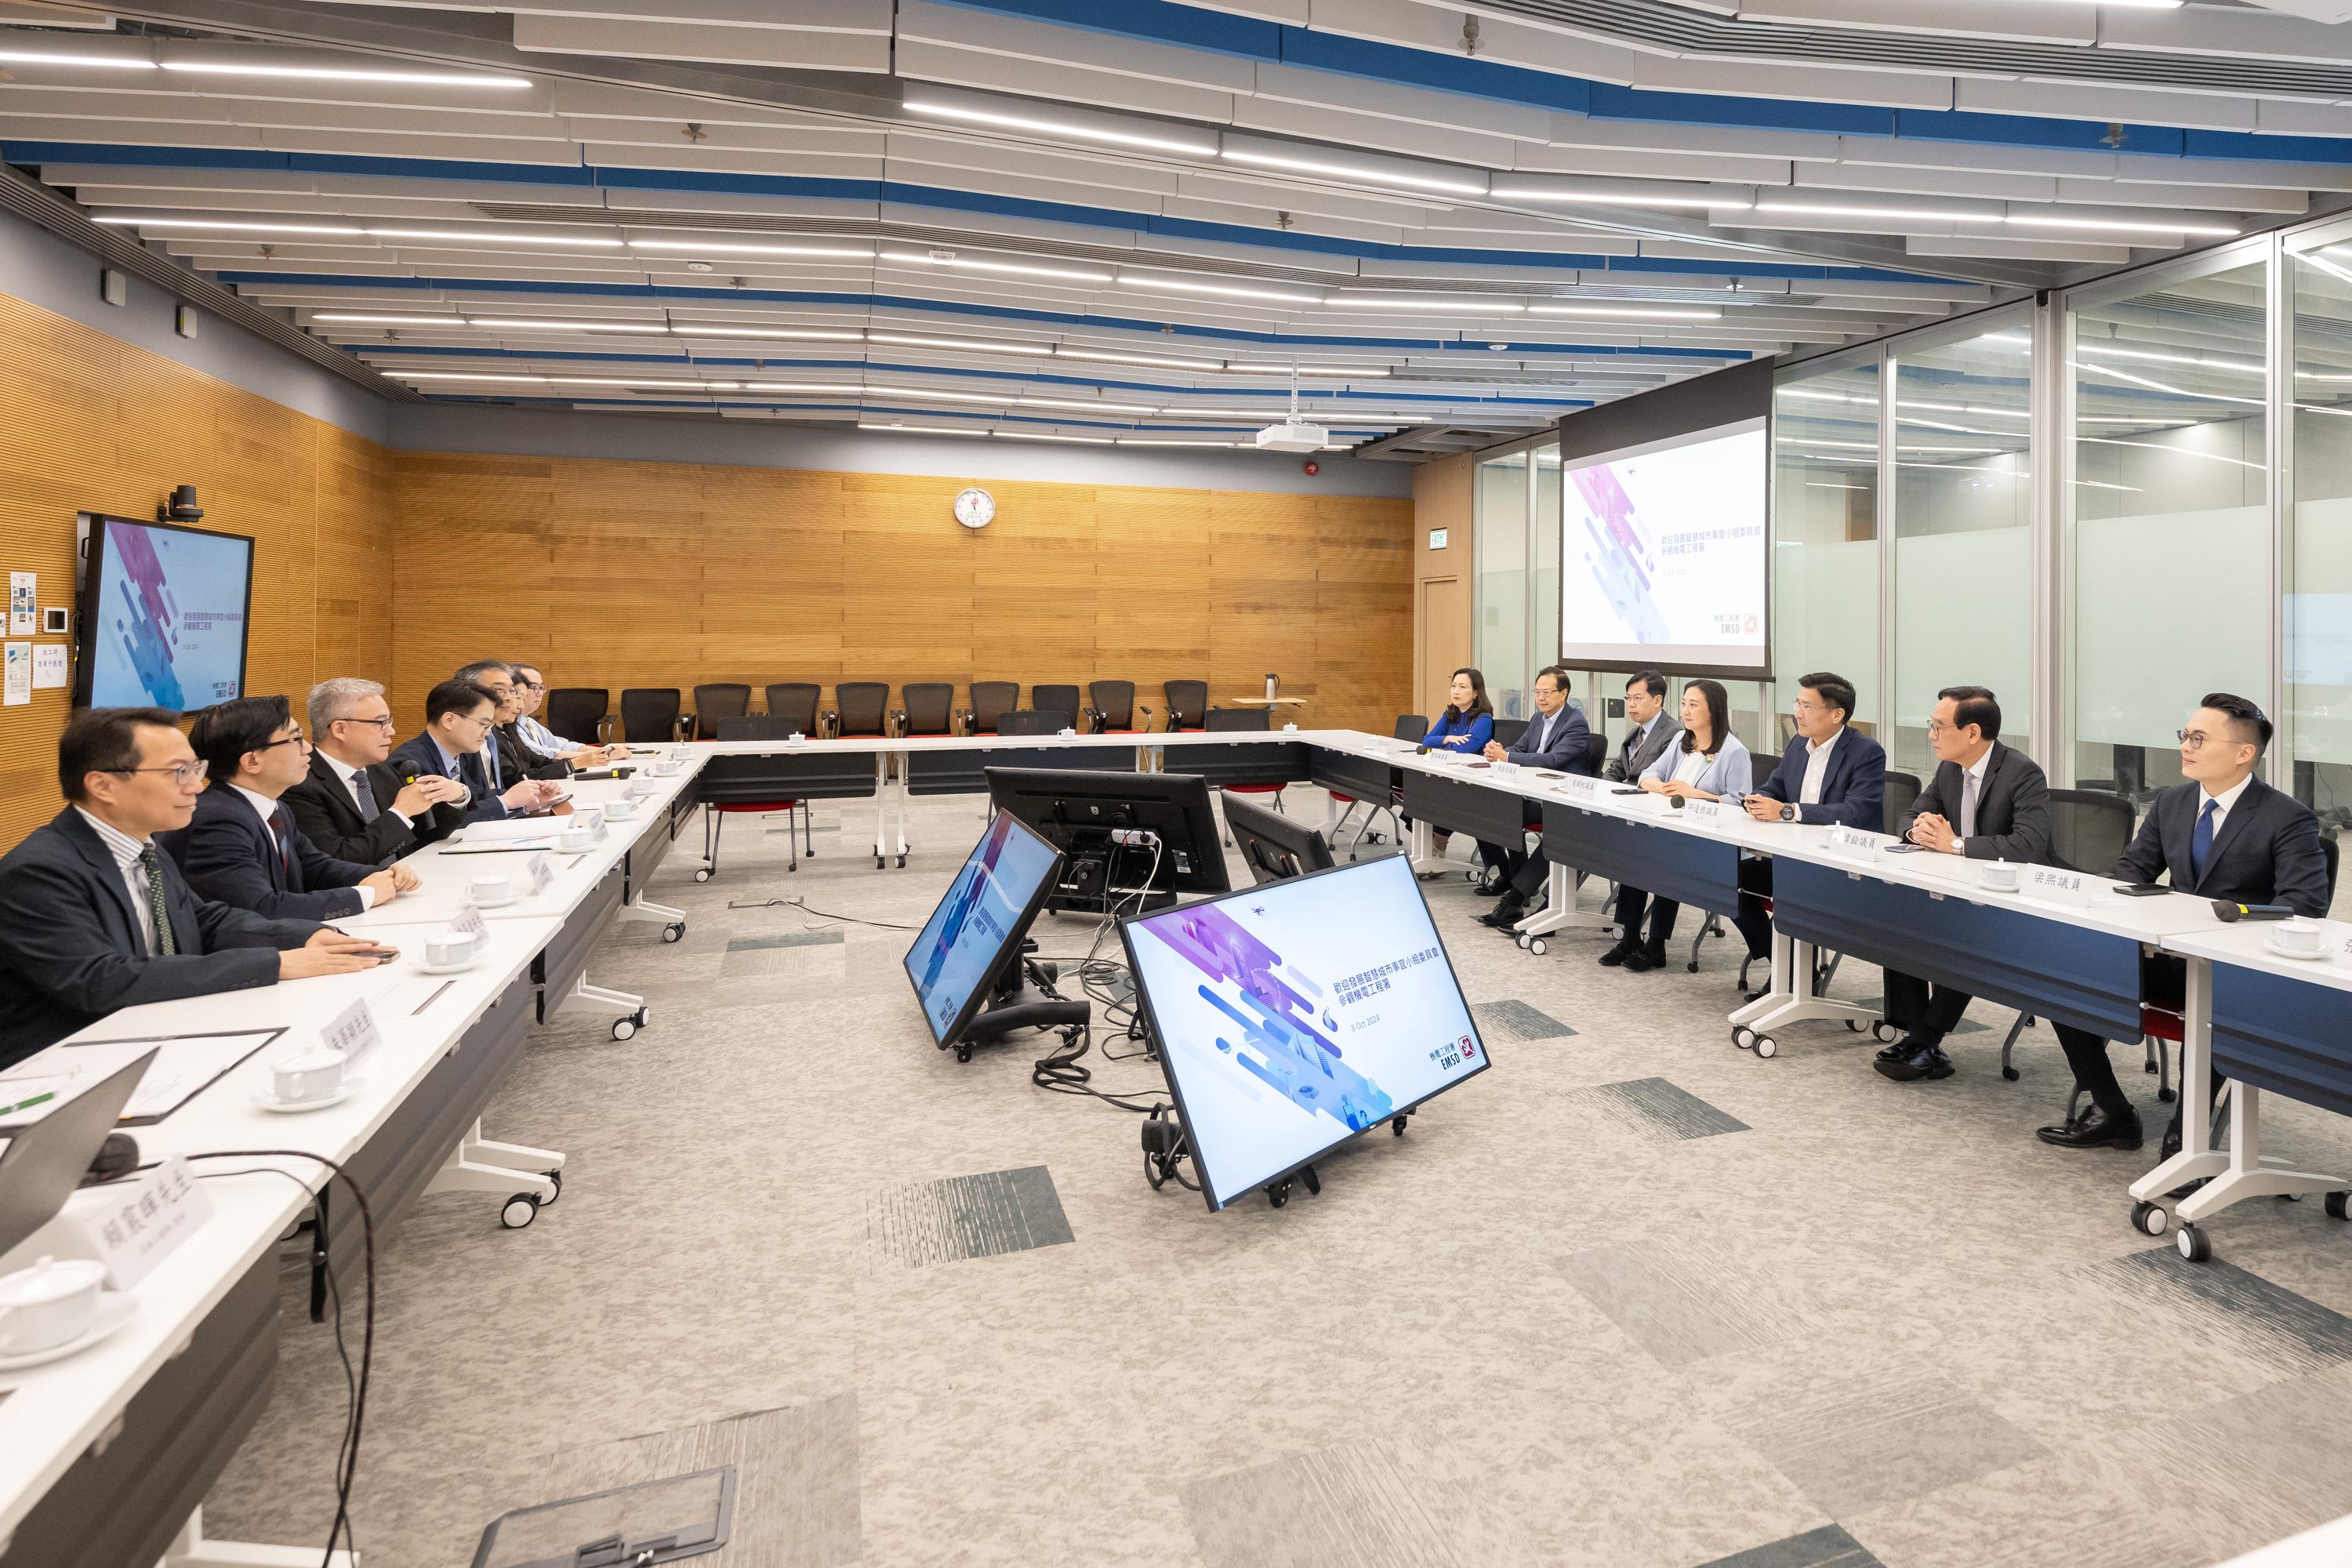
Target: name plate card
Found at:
147, 1222
542, 873
1706, 813
1582, 788
353, 1033
2071, 888
468, 919
1854, 842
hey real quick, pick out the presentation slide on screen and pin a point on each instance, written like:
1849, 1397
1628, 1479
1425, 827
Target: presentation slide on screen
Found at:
1295, 1015
171, 610
952, 954
1662, 553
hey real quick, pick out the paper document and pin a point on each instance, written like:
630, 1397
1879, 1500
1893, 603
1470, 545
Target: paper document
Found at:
504, 828
500, 846
183, 1068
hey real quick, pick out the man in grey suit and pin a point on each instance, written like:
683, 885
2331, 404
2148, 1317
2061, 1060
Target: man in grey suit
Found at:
1556, 739
1986, 803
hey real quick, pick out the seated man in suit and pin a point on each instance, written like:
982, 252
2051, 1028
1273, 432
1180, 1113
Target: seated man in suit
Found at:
1838, 775
460, 719
1986, 803
1648, 731
507, 754
242, 847
351, 803
2224, 834
531, 690
1555, 738
94, 917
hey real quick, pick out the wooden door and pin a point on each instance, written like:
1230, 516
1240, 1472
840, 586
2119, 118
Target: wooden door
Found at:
1445, 641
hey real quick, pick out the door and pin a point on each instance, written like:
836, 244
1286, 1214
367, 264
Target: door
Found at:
1443, 621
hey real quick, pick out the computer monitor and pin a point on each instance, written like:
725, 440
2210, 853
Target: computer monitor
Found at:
164, 611
1132, 841
46, 1160
975, 933
1275, 847
1294, 1016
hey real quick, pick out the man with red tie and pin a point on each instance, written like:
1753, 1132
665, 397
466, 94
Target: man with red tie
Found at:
242, 848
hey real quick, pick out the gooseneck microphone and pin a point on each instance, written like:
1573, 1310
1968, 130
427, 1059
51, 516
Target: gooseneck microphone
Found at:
2230, 911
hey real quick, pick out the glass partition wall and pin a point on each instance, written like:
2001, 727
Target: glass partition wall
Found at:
2316, 555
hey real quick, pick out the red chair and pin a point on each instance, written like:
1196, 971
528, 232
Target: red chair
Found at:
741, 773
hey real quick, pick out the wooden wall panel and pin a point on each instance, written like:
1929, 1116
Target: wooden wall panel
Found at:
672, 574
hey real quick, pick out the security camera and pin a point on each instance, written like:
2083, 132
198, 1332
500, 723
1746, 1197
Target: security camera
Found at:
181, 507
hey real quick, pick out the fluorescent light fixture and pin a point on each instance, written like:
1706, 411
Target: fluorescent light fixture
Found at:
392, 321
230, 224
530, 324
1819, 485
2121, 226
1010, 269
1170, 142
806, 334
327, 73
847, 389
103, 62
1804, 395
969, 345
1431, 304
2103, 485
2017, 341
1369, 175
2116, 351
1089, 408
485, 236
921, 429
1222, 290
460, 375
732, 248
1358, 372
2172, 451
1165, 361
1156, 441
1842, 209
1697, 199
999, 398
640, 382
1821, 441
2166, 386
1632, 312
1073, 440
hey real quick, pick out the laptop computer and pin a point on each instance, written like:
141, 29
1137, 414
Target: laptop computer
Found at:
46, 1161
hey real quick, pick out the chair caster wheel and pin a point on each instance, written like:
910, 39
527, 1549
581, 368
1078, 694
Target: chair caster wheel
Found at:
2150, 1219
1743, 1037
963, 1053
1767, 1046
1278, 1195
2334, 1206
674, 930
1396, 1126
702, 873
1535, 946
1692, 967
2193, 1244
1884, 1033
1853, 1025
519, 1211
902, 860
623, 1028
2167, 1095
556, 1177
2009, 1073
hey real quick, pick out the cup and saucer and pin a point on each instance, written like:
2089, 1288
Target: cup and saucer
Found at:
491, 892
56, 1308
308, 1080
2303, 939
449, 953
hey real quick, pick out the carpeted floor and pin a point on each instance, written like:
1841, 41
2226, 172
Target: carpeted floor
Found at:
1634, 1298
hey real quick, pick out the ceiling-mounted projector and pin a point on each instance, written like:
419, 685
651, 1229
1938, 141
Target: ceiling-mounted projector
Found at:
1293, 436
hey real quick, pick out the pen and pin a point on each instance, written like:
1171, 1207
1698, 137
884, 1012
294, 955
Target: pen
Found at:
28, 1104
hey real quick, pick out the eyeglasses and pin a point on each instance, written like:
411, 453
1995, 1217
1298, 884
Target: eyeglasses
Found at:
181, 774
487, 722
296, 739
1803, 706
2193, 740
387, 722
531, 685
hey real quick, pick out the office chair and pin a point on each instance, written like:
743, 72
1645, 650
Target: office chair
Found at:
1188, 702
1902, 793
1508, 731
795, 701
1030, 722
1062, 699
1596, 751
715, 705
2089, 829
1243, 721
989, 700
927, 708
861, 707
1111, 708
650, 714
582, 713
763, 727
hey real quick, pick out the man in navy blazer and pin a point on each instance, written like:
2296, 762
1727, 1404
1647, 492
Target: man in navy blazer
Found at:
93, 916
242, 847
459, 717
1838, 775
1556, 738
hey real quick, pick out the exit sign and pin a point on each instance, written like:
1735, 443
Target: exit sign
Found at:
1437, 538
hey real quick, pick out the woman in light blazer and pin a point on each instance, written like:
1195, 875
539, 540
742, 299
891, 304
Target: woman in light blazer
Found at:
1705, 762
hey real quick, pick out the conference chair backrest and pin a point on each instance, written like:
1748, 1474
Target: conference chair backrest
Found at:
1063, 700
1238, 718
1762, 765
2089, 829
759, 727
1508, 730
929, 706
577, 712
1596, 751
1114, 704
2327, 848
1902, 790
861, 705
1187, 702
650, 714
1411, 726
990, 699
715, 705
795, 701
1031, 721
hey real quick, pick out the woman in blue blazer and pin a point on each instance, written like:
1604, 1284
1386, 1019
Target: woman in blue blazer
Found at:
1705, 762
1463, 728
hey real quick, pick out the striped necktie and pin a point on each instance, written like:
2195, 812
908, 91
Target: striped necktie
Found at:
151, 865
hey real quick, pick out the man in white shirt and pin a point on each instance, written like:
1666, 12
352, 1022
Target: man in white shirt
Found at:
530, 691
352, 803
1838, 777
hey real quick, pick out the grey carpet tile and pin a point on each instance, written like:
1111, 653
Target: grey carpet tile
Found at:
1363, 1505
1685, 1302
2220, 1301
1862, 1441
1517, 1020
1656, 1110
1828, 1547
967, 1216
832, 937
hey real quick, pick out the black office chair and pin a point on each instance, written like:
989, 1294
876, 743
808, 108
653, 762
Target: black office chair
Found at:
761, 727
1111, 708
715, 705
1508, 731
1243, 721
1761, 765
990, 699
1596, 752
1030, 722
1411, 726
580, 713
861, 707
795, 701
1902, 793
927, 708
651, 715
1188, 700
1062, 699
2089, 829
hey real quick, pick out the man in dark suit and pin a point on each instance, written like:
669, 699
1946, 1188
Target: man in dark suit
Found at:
2226, 835
507, 756
242, 847
1986, 803
1838, 775
94, 917
351, 803
459, 717
1555, 738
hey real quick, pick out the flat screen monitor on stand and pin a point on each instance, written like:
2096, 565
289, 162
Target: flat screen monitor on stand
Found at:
1130, 841
1275, 847
969, 965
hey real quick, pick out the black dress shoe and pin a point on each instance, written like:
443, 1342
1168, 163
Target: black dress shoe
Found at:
1923, 1060
2095, 1130
2185, 1188
1648, 956
1901, 1049
1626, 948
2171, 1144
1505, 915
1491, 885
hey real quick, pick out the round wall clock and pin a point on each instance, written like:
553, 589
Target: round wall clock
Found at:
974, 507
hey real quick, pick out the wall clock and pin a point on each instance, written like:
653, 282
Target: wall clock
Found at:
974, 507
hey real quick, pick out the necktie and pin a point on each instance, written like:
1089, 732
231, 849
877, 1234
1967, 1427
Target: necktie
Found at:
2200, 842
281, 829
364, 792
489, 755
153, 865
1968, 805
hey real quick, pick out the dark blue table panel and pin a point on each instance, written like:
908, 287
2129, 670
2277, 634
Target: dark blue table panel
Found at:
2283, 1035
1365, 778
1263, 762
961, 771
737, 779
2057, 972
1457, 806
1684, 867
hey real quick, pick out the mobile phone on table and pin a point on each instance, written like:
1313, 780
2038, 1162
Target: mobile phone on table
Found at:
2141, 890
1621, 790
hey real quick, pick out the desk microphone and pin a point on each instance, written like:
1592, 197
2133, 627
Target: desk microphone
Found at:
2226, 910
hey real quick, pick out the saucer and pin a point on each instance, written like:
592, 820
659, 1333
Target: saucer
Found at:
494, 903
115, 1308
2271, 945
426, 966
351, 1086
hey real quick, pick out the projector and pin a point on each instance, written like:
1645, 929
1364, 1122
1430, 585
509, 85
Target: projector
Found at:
1293, 436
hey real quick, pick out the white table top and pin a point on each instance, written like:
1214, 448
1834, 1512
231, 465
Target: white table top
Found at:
863, 745
2242, 944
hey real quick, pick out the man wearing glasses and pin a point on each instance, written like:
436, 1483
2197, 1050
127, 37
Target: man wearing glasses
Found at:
351, 805
242, 847
531, 688
1837, 775
506, 754
2224, 835
459, 721
94, 916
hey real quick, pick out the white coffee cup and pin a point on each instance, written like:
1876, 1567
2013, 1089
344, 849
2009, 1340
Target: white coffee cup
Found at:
641, 789
52, 1303
794, 740
490, 889
446, 947
2300, 935
668, 766
1065, 731
2002, 876
306, 1076
576, 836
621, 810
1290, 729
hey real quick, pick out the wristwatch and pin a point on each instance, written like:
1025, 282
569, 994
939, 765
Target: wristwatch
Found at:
1788, 814
1960, 845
